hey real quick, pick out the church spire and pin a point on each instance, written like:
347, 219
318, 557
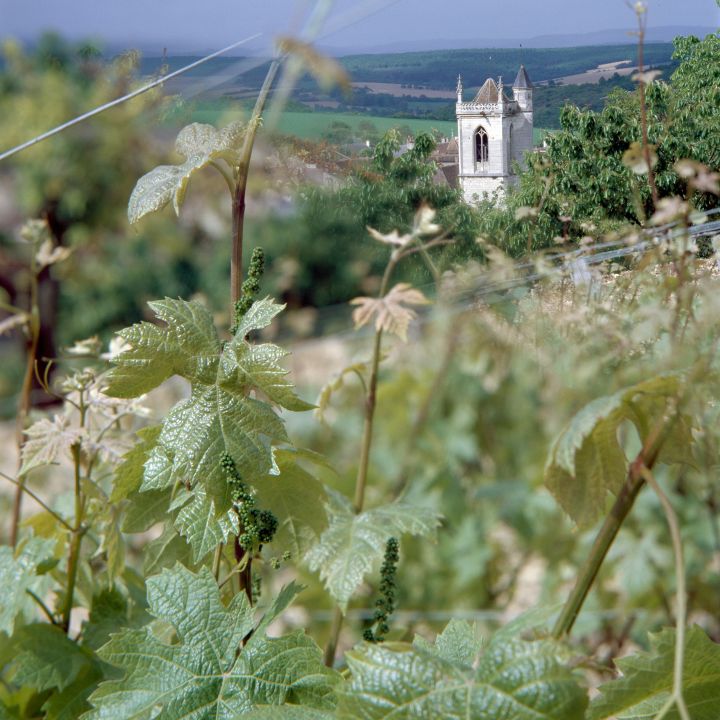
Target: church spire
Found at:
459, 89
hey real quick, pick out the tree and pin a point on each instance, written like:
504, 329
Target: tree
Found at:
328, 239
584, 178
83, 202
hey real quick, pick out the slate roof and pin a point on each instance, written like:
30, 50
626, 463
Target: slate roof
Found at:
522, 81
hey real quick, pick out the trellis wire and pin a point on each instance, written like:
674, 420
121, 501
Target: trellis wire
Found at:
348, 19
485, 287
118, 101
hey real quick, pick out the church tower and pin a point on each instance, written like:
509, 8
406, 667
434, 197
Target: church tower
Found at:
494, 133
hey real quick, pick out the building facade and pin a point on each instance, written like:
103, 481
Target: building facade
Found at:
494, 133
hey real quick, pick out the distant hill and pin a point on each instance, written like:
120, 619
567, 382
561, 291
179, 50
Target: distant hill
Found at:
438, 69
616, 36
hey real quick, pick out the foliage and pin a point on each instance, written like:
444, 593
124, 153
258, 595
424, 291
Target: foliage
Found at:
515, 679
84, 201
203, 675
217, 420
647, 680
582, 181
354, 542
605, 388
587, 459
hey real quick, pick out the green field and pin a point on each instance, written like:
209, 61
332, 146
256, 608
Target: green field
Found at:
313, 125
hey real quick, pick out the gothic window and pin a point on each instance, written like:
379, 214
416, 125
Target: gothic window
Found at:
482, 153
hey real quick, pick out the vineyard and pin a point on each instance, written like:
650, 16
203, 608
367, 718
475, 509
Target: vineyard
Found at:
387, 456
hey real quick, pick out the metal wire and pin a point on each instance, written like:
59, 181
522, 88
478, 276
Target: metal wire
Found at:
120, 100
344, 21
486, 286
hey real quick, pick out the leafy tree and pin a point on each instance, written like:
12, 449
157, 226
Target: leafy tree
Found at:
83, 202
585, 177
328, 240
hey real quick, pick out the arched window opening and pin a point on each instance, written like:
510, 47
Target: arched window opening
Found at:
482, 151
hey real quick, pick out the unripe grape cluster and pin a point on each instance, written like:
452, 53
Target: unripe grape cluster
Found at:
385, 604
258, 526
250, 288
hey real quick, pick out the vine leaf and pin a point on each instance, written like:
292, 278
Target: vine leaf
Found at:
208, 674
458, 643
46, 658
285, 712
18, 573
200, 145
48, 441
647, 680
587, 461
70, 703
354, 543
297, 499
219, 416
165, 551
110, 611
512, 680
129, 473
391, 312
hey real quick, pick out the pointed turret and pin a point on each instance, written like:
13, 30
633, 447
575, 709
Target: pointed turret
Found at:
459, 89
522, 81
523, 90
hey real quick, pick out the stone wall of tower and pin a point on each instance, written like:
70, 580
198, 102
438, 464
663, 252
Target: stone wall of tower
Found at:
522, 137
467, 127
509, 127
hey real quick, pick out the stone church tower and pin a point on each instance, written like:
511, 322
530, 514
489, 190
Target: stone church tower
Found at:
494, 133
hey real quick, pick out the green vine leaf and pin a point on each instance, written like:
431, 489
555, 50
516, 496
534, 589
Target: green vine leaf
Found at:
18, 573
286, 712
219, 417
512, 680
458, 643
46, 658
587, 461
647, 680
111, 610
354, 543
129, 473
207, 673
200, 145
297, 500
165, 551
70, 703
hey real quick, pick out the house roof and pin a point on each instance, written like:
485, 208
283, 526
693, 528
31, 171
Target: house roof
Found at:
522, 80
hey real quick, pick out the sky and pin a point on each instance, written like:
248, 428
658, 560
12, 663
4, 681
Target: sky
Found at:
182, 25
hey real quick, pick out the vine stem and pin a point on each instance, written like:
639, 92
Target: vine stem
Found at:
75, 543
46, 610
609, 530
38, 500
237, 192
364, 463
241, 177
78, 529
624, 501
25, 395
680, 600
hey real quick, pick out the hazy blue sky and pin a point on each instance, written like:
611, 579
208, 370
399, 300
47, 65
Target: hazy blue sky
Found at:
202, 24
